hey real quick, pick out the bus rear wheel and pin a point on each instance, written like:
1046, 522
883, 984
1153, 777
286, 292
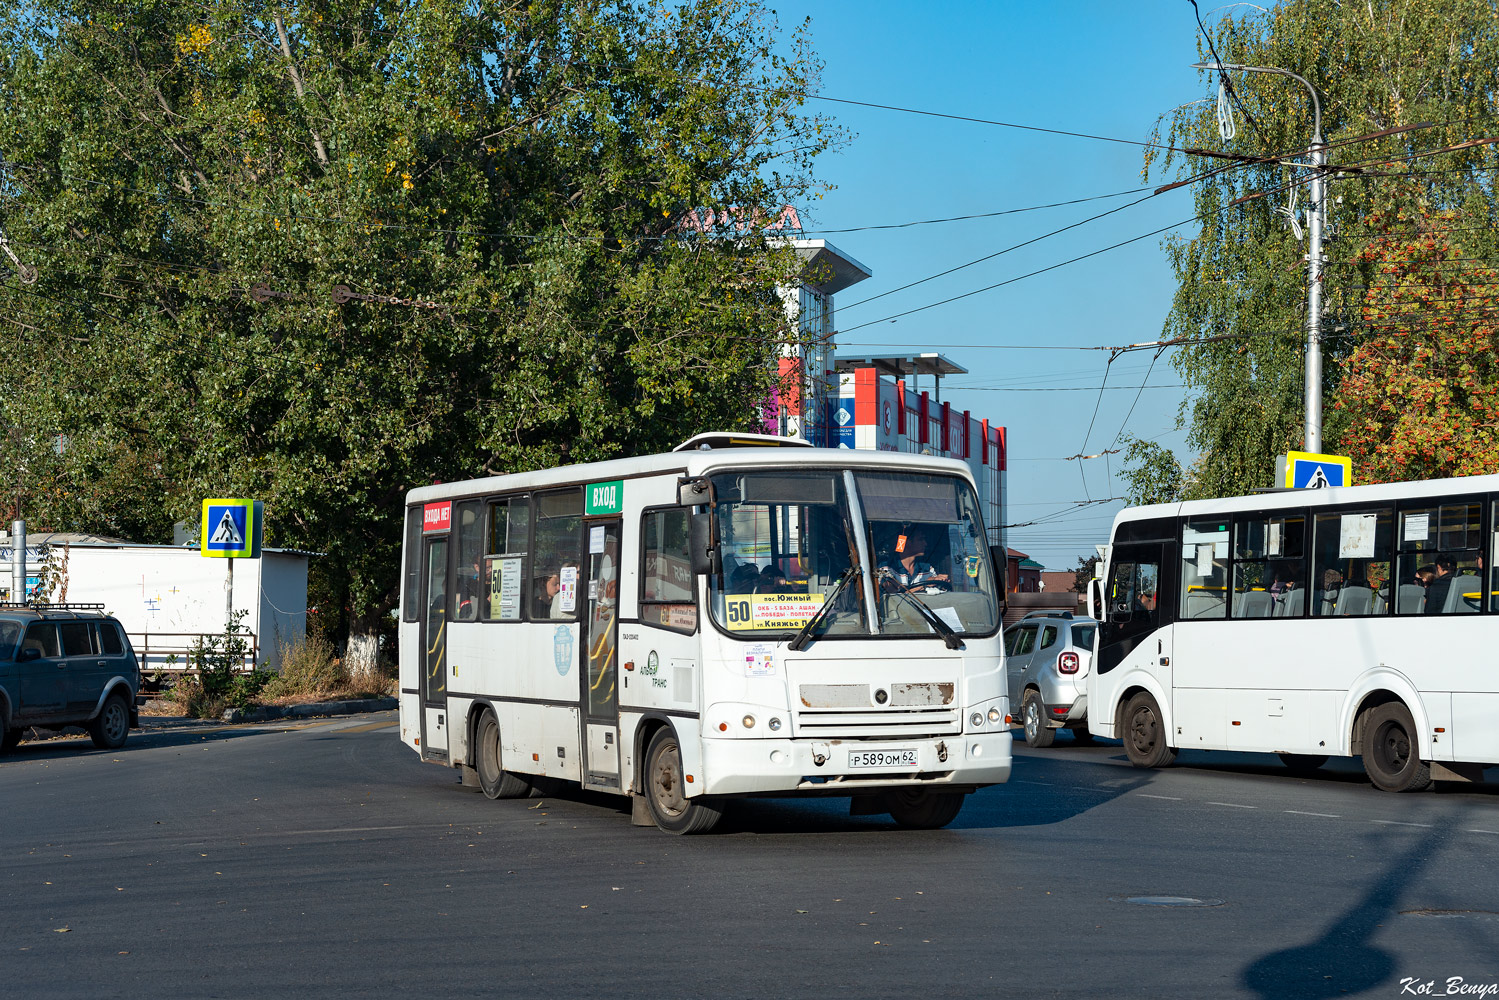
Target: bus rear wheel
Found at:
1144, 735
494, 780
666, 790
920, 809
1390, 754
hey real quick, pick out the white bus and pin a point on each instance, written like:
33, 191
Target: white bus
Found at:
1353, 621
729, 619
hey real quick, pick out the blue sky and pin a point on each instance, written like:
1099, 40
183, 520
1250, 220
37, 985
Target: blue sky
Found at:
1105, 69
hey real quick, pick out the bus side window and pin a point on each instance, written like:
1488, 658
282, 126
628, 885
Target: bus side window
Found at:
468, 529
1204, 569
1351, 563
666, 590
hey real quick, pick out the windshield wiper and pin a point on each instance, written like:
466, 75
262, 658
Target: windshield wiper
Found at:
799, 641
943, 629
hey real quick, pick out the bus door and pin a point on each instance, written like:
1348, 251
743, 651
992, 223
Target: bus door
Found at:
1133, 612
600, 636
435, 647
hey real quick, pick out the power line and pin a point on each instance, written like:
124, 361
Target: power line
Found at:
988, 121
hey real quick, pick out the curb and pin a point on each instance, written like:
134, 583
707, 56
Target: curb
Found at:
266, 713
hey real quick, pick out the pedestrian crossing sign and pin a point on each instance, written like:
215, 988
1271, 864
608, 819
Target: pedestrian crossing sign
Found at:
231, 529
1308, 471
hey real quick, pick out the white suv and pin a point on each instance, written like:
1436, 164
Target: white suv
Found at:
1047, 655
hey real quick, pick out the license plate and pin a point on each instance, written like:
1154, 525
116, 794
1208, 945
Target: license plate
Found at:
898, 758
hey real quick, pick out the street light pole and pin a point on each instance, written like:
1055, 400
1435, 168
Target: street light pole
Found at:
1315, 217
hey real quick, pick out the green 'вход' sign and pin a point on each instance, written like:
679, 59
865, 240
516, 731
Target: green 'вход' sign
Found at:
605, 498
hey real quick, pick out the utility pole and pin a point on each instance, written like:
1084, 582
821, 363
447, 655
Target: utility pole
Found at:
1315, 217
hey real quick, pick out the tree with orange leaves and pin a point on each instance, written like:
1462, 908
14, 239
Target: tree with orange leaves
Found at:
1421, 393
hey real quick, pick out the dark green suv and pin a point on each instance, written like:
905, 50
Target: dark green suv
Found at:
66, 665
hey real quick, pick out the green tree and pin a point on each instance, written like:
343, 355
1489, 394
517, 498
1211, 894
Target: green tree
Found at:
1431, 67
1421, 395
323, 252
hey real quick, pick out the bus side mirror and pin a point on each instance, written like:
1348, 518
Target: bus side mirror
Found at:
692, 492
1095, 597
705, 555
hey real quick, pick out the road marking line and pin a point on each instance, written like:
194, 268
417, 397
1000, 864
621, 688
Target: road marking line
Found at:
1168, 798
1044, 784
1298, 812
1393, 822
370, 727
1231, 805
1494, 832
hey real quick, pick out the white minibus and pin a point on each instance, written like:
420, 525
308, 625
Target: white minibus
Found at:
1350, 621
735, 618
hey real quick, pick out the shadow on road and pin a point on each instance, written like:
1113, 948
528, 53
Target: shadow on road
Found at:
1342, 961
68, 747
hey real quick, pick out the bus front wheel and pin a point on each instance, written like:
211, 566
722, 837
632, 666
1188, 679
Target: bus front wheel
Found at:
495, 781
1145, 740
666, 790
920, 809
1390, 754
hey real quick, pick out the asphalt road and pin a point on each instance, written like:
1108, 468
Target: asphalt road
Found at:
322, 859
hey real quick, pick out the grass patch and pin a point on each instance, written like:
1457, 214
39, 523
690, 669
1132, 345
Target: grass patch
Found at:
310, 671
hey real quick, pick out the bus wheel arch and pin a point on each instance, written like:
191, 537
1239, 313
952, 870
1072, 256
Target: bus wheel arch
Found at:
1390, 747
664, 787
1146, 739
488, 758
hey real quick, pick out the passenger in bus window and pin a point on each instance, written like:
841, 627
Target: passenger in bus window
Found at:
907, 566
543, 593
1436, 591
771, 581
744, 578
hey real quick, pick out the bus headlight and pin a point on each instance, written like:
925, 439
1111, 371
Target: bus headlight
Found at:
994, 716
774, 724
977, 720
749, 722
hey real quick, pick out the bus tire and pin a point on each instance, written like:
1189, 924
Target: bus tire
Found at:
1033, 714
1390, 757
923, 809
494, 781
665, 790
1302, 763
1144, 734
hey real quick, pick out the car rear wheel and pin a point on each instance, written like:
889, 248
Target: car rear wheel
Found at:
1032, 714
1145, 740
111, 726
10, 739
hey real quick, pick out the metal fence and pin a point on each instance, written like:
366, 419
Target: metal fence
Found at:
171, 652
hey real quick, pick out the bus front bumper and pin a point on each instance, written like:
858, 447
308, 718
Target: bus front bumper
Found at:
853, 767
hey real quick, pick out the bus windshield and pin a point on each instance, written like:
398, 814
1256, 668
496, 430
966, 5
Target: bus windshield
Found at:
788, 538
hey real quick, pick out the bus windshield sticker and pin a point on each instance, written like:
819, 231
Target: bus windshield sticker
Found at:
1356, 536
568, 591
1204, 558
1416, 528
950, 617
759, 660
1272, 538
762, 612
596, 540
